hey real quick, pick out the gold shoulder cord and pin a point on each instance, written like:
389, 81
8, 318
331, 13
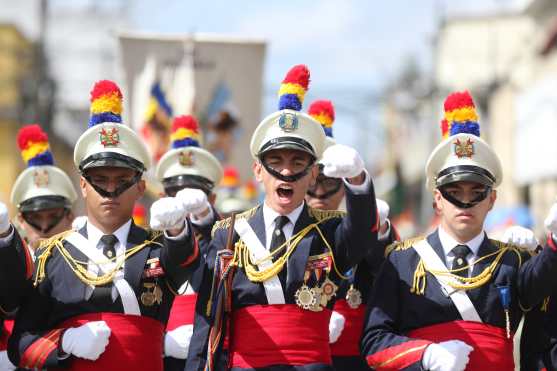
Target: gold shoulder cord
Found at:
80, 267
242, 256
464, 283
402, 245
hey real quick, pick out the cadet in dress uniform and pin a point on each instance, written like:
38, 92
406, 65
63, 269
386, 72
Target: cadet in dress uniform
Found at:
43, 195
228, 201
346, 323
453, 300
99, 291
278, 266
188, 171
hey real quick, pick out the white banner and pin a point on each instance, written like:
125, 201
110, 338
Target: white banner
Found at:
218, 80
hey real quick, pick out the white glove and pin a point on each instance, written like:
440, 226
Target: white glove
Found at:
177, 342
336, 325
5, 364
79, 222
521, 236
551, 220
452, 355
87, 341
194, 200
167, 213
340, 161
4, 219
383, 210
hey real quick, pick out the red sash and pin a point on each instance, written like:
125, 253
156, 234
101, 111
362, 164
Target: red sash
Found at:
6, 332
285, 334
492, 349
182, 311
348, 344
135, 343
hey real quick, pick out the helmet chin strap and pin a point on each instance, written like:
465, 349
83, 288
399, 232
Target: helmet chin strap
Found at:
286, 178
118, 191
49, 227
464, 205
325, 195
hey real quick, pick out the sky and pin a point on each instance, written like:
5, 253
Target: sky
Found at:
354, 43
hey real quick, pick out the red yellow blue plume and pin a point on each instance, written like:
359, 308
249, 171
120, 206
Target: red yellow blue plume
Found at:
293, 88
460, 115
324, 112
33, 144
231, 178
185, 132
106, 103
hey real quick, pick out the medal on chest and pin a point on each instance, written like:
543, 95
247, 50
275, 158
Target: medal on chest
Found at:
353, 297
152, 294
306, 298
317, 297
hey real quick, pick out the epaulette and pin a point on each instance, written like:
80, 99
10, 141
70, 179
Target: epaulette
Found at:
320, 215
225, 223
153, 234
45, 243
44, 251
402, 245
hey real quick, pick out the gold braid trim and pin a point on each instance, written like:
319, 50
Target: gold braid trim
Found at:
464, 283
80, 267
545, 304
225, 223
243, 259
320, 215
402, 245
399, 355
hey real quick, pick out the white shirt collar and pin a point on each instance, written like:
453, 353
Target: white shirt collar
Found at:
94, 234
269, 215
449, 243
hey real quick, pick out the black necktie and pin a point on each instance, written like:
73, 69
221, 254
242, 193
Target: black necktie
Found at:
460, 252
277, 240
102, 295
107, 242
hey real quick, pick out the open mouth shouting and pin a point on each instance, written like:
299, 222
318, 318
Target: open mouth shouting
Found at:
285, 192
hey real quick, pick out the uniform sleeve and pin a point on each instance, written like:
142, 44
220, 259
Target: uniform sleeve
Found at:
382, 344
536, 276
376, 256
33, 345
16, 267
180, 256
357, 233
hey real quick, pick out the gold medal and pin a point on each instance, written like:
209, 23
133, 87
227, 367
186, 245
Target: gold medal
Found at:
305, 298
148, 299
157, 292
151, 295
353, 297
329, 288
318, 293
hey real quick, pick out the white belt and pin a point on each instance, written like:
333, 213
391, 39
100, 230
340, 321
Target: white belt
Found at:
459, 297
127, 295
273, 288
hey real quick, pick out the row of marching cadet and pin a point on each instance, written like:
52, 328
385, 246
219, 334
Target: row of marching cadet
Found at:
313, 278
